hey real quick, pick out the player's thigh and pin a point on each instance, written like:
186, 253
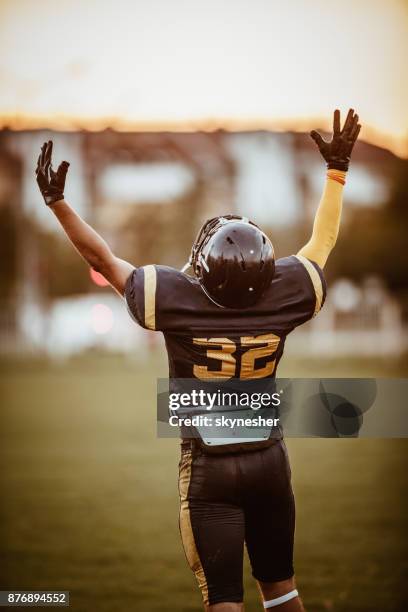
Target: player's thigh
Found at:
212, 528
270, 518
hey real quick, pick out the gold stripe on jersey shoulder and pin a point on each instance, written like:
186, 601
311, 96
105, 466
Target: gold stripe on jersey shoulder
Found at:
316, 280
150, 282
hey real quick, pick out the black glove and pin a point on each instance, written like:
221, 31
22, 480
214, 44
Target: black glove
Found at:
51, 183
337, 152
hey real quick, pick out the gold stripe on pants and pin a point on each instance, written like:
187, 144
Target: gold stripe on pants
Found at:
186, 529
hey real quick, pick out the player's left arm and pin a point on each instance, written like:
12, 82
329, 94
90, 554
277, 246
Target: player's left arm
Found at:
337, 155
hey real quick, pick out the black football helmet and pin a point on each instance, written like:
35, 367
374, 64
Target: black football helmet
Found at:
233, 260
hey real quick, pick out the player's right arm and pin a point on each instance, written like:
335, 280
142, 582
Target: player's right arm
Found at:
337, 155
85, 239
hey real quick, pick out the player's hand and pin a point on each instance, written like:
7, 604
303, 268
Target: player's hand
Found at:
337, 152
51, 183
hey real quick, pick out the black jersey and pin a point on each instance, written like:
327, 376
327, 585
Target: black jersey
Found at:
206, 341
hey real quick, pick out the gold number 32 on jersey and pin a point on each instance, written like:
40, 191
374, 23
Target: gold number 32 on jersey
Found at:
223, 349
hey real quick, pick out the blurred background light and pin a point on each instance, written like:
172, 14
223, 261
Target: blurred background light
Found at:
98, 278
345, 295
145, 182
101, 318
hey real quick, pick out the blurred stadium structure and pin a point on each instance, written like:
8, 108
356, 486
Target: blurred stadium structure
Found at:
148, 193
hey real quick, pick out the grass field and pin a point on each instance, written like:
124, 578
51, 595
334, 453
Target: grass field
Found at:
89, 497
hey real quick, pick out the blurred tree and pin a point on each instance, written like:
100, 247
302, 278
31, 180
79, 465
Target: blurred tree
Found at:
374, 241
62, 271
161, 233
10, 234
8, 252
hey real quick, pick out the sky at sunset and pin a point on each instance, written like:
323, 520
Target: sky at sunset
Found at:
186, 64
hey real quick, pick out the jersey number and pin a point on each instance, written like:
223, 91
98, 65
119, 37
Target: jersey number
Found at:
223, 349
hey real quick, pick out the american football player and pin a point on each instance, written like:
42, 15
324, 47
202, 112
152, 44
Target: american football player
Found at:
229, 319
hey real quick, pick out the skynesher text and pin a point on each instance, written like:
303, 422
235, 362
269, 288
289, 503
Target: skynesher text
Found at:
222, 421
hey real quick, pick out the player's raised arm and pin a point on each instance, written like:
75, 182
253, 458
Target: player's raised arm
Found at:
85, 239
337, 155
